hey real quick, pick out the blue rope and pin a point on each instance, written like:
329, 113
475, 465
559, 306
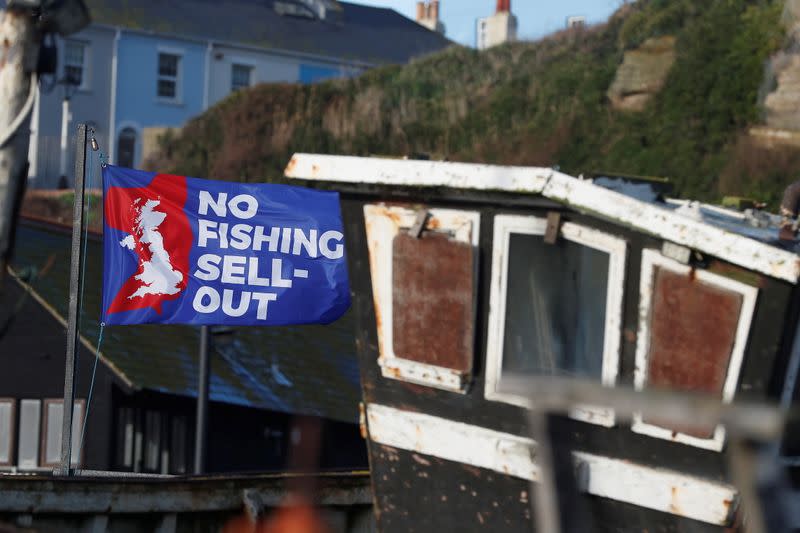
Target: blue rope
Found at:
87, 211
91, 386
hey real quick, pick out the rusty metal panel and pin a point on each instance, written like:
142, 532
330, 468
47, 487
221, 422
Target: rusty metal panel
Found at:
433, 287
693, 329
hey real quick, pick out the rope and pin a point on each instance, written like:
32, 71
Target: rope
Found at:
22, 115
91, 386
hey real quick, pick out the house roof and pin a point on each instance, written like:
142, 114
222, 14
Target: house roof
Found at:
748, 241
299, 370
355, 32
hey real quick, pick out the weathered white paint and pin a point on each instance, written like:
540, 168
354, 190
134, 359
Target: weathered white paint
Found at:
617, 479
382, 224
615, 247
579, 194
652, 259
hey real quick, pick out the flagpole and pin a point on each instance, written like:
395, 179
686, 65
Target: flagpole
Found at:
75, 288
201, 424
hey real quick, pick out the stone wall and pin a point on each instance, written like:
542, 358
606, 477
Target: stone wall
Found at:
642, 73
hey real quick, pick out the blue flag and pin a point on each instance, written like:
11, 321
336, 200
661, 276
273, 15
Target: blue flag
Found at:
180, 250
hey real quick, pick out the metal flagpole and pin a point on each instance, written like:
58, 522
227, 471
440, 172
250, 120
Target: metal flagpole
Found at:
75, 288
201, 424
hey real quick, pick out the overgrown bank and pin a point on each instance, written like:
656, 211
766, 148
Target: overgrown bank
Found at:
542, 103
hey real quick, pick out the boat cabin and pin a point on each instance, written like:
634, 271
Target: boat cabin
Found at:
466, 277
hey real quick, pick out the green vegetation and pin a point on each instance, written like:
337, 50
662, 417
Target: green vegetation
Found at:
541, 103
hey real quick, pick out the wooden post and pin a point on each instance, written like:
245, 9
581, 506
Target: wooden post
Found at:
17, 58
74, 311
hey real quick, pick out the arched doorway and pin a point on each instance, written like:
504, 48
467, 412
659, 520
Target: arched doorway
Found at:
126, 147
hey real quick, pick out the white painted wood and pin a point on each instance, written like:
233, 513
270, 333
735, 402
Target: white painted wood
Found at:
578, 194
652, 259
615, 247
382, 224
617, 479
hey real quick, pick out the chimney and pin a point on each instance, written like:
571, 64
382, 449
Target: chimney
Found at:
503, 6
420, 11
434, 15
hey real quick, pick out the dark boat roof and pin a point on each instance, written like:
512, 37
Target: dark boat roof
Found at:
351, 31
311, 370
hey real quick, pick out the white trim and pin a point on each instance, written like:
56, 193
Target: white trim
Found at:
382, 224
579, 194
659, 489
615, 247
291, 54
112, 121
207, 75
650, 260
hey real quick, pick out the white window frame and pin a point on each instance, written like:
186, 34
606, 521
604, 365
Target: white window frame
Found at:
651, 259
36, 442
12, 434
235, 62
615, 247
383, 223
77, 425
84, 86
178, 79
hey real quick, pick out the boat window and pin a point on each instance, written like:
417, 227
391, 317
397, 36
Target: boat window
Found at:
555, 307
53, 427
7, 408
692, 335
424, 271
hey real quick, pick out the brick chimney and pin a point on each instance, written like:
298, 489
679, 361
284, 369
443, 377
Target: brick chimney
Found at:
428, 15
504, 6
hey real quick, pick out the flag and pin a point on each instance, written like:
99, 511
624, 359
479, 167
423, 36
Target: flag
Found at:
180, 250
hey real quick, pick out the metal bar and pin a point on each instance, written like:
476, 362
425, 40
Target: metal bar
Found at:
201, 424
74, 301
761, 421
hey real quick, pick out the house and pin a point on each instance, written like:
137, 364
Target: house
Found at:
497, 29
142, 413
143, 67
468, 278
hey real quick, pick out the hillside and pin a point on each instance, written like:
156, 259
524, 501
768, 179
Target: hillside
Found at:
541, 103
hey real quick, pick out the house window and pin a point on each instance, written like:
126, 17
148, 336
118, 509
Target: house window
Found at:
151, 441
424, 288
75, 63
28, 438
53, 426
169, 68
7, 425
693, 330
556, 309
126, 148
241, 77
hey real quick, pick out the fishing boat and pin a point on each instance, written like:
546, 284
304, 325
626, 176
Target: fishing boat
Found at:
468, 278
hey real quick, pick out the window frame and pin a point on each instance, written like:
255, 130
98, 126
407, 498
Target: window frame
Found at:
383, 223
650, 260
250, 70
76, 459
178, 78
12, 432
84, 85
616, 247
